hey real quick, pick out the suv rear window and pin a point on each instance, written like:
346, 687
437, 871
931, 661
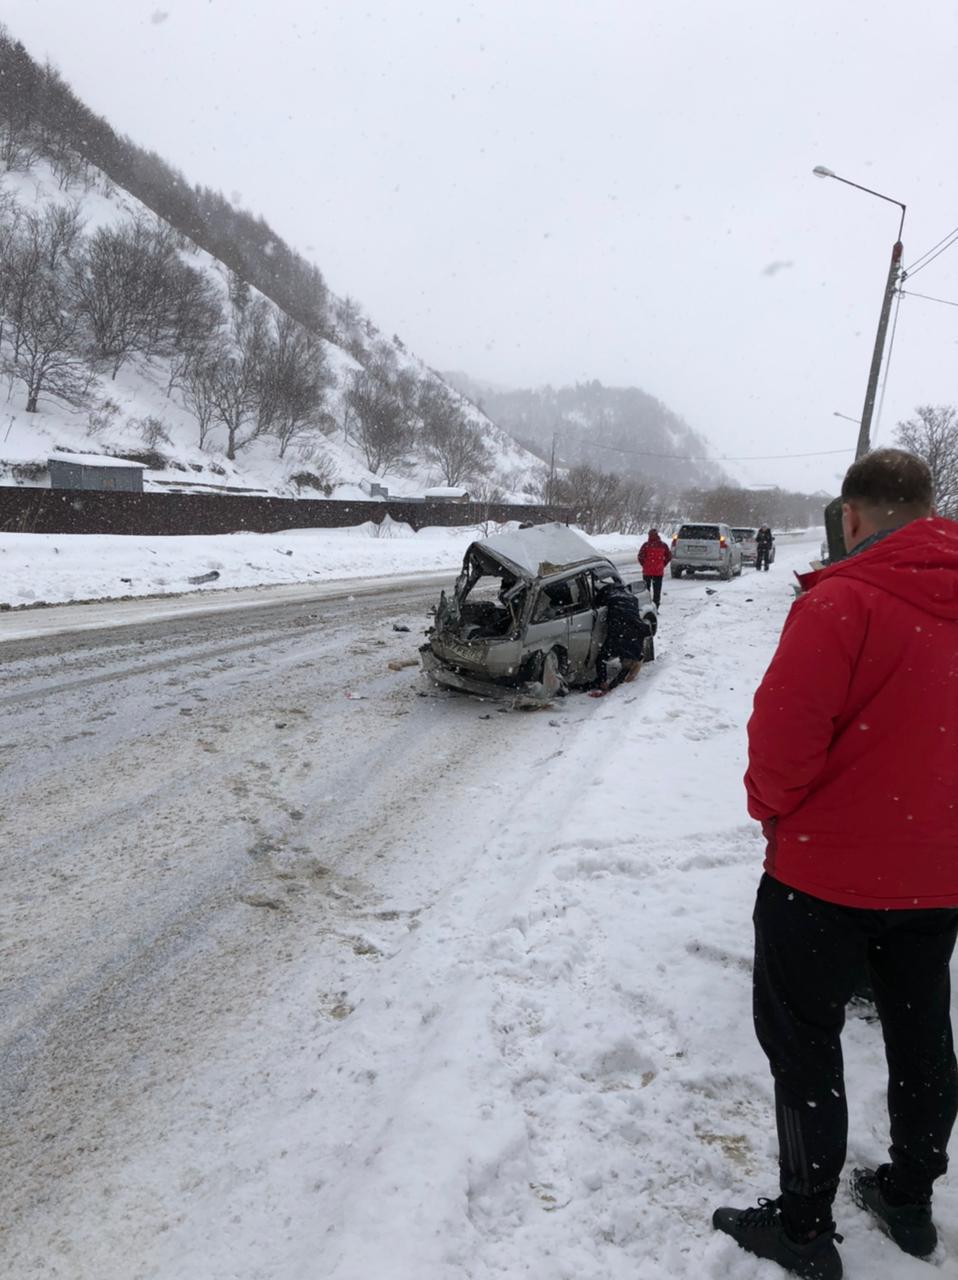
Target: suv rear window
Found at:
704, 532
743, 534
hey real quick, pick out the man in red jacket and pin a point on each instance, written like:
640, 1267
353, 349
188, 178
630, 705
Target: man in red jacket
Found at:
654, 556
853, 773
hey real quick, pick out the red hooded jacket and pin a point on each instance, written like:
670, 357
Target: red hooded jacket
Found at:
654, 555
853, 740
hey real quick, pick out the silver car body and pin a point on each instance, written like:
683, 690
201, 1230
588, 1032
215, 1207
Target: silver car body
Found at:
523, 620
705, 546
746, 541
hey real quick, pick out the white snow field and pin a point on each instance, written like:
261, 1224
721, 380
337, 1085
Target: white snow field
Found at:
531, 1055
52, 568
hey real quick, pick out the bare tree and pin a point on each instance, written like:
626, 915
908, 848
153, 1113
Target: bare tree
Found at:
487, 495
36, 248
49, 355
237, 378
192, 313
43, 340
933, 435
347, 317
197, 379
597, 498
18, 149
450, 441
639, 503
138, 295
294, 382
381, 400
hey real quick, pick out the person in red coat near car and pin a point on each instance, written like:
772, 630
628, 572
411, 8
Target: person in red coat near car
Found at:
853, 774
654, 556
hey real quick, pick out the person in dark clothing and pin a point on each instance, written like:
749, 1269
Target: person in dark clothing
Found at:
625, 635
763, 547
654, 557
853, 773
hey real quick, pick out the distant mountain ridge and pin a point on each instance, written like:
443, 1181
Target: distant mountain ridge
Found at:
619, 429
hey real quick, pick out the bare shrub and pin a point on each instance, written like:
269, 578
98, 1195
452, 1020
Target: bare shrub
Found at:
102, 418
151, 430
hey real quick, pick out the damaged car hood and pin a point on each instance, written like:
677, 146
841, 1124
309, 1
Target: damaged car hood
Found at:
538, 552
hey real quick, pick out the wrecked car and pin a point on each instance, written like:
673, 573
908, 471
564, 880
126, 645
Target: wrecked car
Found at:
524, 621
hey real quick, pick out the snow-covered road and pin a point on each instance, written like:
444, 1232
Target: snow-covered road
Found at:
300, 986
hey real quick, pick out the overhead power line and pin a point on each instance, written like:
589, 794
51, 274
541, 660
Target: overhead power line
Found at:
934, 252
931, 250
945, 302
748, 457
891, 348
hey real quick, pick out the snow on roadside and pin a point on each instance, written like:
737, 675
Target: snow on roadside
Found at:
56, 568
570, 1082
554, 1076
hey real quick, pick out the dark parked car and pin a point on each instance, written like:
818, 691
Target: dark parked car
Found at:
524, 621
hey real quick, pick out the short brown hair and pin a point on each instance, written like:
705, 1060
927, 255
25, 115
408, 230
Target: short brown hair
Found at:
893, 485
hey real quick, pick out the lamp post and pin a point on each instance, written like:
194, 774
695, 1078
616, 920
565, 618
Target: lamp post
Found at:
836, 548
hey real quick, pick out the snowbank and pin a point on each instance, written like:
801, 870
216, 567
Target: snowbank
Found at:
57, 568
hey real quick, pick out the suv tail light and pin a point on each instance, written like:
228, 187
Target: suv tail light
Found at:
722, 540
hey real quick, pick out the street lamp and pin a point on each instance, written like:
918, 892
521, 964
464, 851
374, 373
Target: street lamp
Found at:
864, 432
833, 511
847, 417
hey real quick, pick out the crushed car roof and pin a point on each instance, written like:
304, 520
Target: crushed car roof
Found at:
540, 551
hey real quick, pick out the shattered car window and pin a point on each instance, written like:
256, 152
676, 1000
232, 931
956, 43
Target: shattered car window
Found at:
560, 598
490, 603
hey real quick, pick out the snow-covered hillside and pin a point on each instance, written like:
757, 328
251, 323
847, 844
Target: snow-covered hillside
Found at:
139, 412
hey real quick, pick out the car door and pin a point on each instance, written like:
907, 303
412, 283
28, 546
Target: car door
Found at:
582, 616
548, 625
735, 551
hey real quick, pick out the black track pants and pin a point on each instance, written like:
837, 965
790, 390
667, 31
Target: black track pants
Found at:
808, 957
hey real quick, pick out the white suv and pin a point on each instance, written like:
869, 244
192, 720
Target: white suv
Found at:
700, 548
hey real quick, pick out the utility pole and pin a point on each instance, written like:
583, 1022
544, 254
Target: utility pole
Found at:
864, 432
833, 512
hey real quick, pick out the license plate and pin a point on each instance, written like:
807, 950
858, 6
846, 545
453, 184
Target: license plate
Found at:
460, 650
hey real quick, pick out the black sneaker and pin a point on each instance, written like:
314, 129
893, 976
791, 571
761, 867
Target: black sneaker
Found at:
762, 1231
909, 1225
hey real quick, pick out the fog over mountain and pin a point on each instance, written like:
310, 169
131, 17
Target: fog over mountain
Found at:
619, 429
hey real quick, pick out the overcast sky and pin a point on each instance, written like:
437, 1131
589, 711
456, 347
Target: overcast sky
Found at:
552, 191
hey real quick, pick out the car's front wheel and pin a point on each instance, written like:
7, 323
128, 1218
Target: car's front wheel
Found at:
554, 674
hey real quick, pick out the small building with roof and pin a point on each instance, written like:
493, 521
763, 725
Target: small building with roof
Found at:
95, 471
447, 493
